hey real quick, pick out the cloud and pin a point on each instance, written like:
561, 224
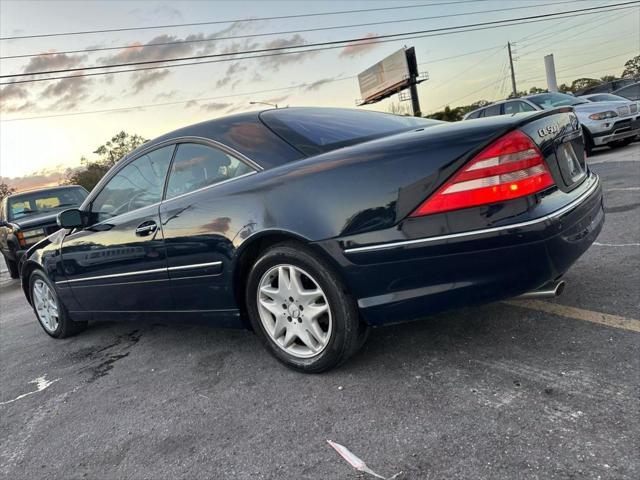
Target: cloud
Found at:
57, 61
166, 95
66, 86
317, 84
103, 99
10, 95
15, 108
13, 92
142, 80
360, 47
274, 63
141, 52
190, 103
214, 106
234, 69
42, 178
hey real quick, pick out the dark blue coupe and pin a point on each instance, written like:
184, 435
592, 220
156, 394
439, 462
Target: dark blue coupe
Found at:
310, 225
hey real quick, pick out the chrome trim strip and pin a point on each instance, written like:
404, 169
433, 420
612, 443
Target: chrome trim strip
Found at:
550, 216
195, 265
142, 272
157, 311
114, 275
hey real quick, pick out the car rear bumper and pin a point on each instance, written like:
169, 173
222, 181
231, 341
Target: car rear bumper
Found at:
414, 278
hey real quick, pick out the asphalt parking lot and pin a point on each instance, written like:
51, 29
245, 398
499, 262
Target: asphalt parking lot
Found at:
546, 389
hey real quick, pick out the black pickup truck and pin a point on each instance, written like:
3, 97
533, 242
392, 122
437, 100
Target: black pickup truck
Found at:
28, 217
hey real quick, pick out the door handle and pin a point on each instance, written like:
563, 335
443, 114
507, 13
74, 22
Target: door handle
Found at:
146, 228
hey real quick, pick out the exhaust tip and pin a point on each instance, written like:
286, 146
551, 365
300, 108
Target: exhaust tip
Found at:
550, 290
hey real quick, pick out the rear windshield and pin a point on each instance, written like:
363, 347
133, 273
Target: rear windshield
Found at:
35, 203
319, 130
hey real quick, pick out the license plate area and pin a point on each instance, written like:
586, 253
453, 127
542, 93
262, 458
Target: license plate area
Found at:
571, 159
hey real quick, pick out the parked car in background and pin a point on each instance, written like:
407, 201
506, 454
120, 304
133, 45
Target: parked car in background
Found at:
28, 217
310, 225
604, 97
614, 124
607, 87
630, 92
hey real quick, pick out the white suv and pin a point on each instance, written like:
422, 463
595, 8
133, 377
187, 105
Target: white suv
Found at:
614, 124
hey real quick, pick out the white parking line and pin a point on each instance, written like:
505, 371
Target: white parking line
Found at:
41, 384
607, 319
622, 189
616, 244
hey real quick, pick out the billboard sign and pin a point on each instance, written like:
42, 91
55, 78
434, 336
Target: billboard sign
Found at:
385, 77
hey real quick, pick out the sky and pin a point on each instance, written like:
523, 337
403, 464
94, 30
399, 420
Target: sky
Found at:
46, 127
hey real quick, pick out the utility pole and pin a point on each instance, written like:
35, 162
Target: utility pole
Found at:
513, 74
415, 102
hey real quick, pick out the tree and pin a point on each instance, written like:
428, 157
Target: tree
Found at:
582, 83
119, 145
109, 154
632, 67
534, 90
607, 78
5, 190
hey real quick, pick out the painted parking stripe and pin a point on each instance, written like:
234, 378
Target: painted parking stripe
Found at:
607, 319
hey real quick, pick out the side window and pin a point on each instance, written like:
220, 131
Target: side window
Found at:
517, 107
632, 92
196, 166
492, 110
137, 185
474, 115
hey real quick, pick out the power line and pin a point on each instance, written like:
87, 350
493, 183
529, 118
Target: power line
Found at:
232, 95
364, 40
240, 20
571, 33
286, 32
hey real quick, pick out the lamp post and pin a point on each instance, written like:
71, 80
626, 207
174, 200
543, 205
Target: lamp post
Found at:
264, 103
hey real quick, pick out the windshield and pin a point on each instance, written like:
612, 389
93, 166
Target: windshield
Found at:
552, 100
33, 203
318, 130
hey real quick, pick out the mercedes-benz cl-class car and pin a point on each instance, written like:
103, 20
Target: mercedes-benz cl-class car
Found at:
311, 225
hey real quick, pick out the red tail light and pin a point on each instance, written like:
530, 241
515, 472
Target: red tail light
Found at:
509, 168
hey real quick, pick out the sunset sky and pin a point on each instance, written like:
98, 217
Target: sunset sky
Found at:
50, 125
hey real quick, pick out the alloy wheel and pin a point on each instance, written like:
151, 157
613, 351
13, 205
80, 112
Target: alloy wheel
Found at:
294, 311
46, 305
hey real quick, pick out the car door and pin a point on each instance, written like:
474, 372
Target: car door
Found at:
199, 231
118, 262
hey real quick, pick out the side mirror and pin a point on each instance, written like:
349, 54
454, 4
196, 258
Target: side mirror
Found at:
72, 218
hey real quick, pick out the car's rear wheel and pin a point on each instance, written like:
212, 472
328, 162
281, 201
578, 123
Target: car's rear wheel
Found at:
301, 311
12, 266
50, 312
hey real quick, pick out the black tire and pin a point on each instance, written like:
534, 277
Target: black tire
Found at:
620, 143
588, 142
349, 332
12, 265
66, 327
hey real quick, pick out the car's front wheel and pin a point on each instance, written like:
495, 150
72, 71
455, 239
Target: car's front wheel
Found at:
12, 266
50, 312
301, 310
